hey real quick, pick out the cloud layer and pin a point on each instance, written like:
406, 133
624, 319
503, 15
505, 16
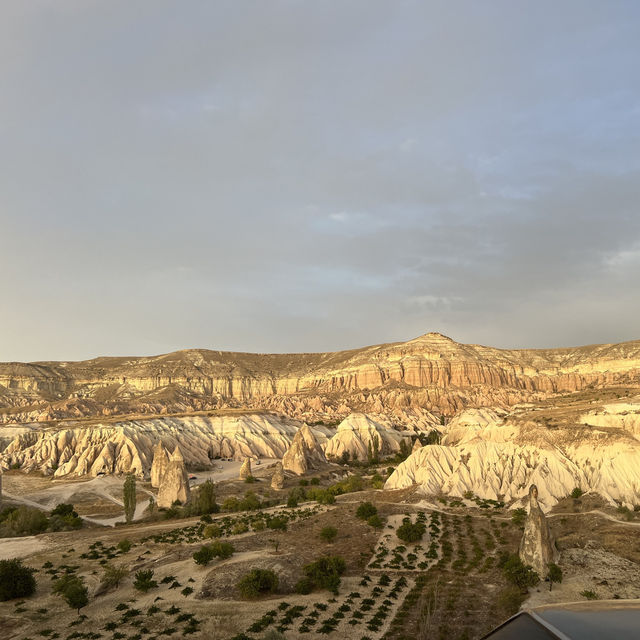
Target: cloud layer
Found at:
297, 176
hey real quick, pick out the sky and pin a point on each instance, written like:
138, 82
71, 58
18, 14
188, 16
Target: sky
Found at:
288, 175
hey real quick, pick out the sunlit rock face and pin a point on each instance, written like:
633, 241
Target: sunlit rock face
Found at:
128, 446
501, 458
159, 464
431, 372
305, 453
359, 434
537, 548
174, 484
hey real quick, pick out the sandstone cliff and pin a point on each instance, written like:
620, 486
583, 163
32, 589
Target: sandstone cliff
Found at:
304, 453
431, 372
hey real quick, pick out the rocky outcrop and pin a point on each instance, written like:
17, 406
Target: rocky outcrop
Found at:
127, 446
500, 460
430, 372
245, 469
359, 434
174, 486
277, 479
537, 547
305, 453
159, 464
416, 445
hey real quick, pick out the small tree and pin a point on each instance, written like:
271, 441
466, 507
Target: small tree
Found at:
328, 534
555, 574
409, 532
73, 590
205, 499
16, 580
375, 521
129, 497
576, 493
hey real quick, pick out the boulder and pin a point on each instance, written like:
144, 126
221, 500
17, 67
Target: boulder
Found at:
537, 547
304, 453
159, 465
245, 469
277, 480
175, 482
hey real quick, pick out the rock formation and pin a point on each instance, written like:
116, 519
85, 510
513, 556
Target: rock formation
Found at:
497, 459
127, 445
358, 434
245, 469
174, 485
304, 453
416, 445
159, 464
537, 548
277, 479
430, 372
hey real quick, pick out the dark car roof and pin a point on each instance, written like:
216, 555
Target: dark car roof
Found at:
618, 619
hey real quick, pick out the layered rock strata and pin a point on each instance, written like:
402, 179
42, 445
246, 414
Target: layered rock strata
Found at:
431, 372
159, 464
245, 469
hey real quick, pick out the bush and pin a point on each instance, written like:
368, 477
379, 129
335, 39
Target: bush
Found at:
304, 586
208, 552
277, 523
576, 493
315, 481
409, 532
144, 580
328, 534
292, 501
325, 572
589, 594
258, 582
72, 589
16, 580
22, 521
375, 521
113, 575
212, 531
555, 574
522, 576
518, 516
366, 510
124, 545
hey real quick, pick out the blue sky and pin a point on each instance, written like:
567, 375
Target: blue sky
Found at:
305, 176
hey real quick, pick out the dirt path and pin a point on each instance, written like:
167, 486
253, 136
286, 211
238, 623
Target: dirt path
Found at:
606, 516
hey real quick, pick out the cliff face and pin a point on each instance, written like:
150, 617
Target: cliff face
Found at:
431, 372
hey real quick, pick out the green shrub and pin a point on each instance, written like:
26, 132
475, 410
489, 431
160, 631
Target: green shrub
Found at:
410, 532
328, 534
16, 580
208, 552
129, 497
22, 521
124, 545
277, 523
113, 575
576, 493
72, 589
518, 516
522, 576
204, 501
375, 521
589, 594
366, 510
315, 481
212, 531
258, 582
325, 572
304, 586
144, 580
555, 574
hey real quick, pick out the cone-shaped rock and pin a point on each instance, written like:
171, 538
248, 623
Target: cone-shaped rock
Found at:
245, 469
175, 482
537, 547
159, 464
416, 445
277, 480
304, 453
